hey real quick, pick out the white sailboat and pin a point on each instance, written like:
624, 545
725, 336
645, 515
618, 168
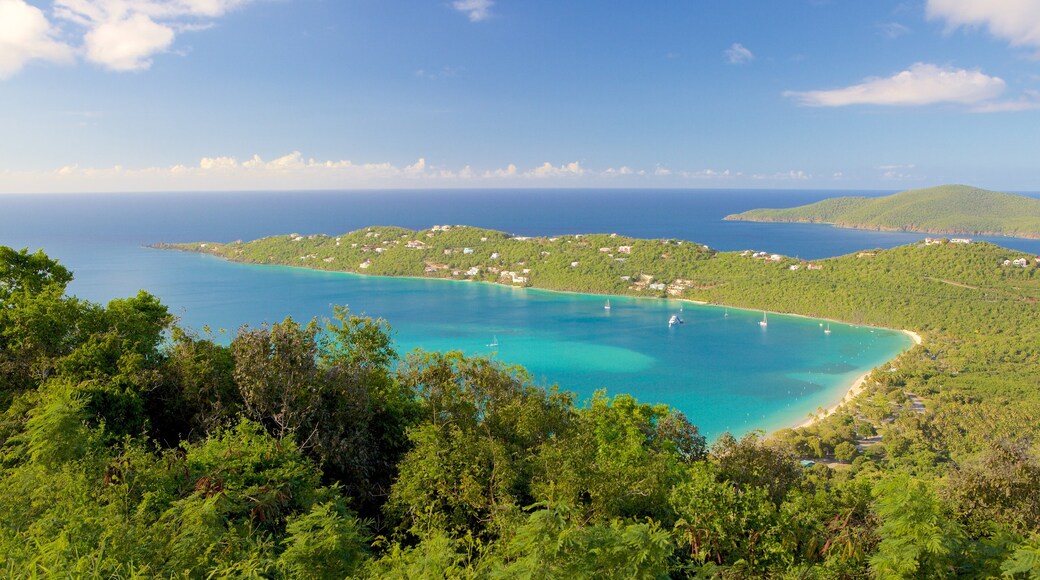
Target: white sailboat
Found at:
828, 329
764, 322
607, 305
494, 342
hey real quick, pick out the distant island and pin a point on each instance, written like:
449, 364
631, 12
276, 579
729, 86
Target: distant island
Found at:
944, 210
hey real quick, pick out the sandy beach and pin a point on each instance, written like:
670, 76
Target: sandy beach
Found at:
854, 390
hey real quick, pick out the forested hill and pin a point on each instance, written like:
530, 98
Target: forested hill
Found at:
611, 264
946, 209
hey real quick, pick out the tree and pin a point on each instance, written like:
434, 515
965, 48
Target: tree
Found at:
277, 375
22, 272
326, 542
918, 539
845, 451
619, 460
721, 523
556, 542
750, 463
334, 397
38, 324
1001, 485
480, 426
196, 394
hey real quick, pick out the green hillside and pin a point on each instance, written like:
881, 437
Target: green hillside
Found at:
946, 209
133, 448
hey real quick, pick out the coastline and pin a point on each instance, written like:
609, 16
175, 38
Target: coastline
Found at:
854, 390
886, 229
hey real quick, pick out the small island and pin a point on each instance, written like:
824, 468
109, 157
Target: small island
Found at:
943, 210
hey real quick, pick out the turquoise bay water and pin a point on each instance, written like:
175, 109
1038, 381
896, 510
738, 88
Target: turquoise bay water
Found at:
721, 367
725, 372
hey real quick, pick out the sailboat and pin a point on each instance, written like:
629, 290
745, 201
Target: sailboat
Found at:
764, 322
607, 305
828, 329
726, 313
494, 341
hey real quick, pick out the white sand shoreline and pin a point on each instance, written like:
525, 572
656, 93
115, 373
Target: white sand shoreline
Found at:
854, 390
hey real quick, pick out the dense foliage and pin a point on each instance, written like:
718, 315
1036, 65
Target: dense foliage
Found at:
946, 209
130, 447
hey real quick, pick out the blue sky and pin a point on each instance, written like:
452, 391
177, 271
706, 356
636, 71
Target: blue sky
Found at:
143, 95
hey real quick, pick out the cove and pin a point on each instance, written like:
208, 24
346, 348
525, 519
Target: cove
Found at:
721, 367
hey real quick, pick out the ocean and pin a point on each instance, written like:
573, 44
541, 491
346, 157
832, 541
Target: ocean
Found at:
721, 368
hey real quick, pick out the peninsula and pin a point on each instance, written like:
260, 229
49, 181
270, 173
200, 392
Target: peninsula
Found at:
868, 287
944, 210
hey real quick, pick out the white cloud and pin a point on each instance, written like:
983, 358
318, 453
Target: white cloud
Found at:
293, 171
548, 170
897, 172
798, 175
416, 168
1029, 101
710, 174
738, 54
128, 44
1017, 21
509, 171
25, 35
791, 175
293, 160
620, 171
120, 35
921, 84
218, 163
893, 29
475, 10
88, 12
124, 35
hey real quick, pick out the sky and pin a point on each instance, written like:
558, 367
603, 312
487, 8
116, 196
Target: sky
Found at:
180, 95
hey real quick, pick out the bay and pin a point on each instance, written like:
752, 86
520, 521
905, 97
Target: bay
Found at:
721, 368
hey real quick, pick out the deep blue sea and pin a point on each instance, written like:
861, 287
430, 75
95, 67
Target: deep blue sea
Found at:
721, 367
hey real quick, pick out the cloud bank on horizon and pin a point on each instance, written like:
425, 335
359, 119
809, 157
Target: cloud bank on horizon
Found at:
295, 171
